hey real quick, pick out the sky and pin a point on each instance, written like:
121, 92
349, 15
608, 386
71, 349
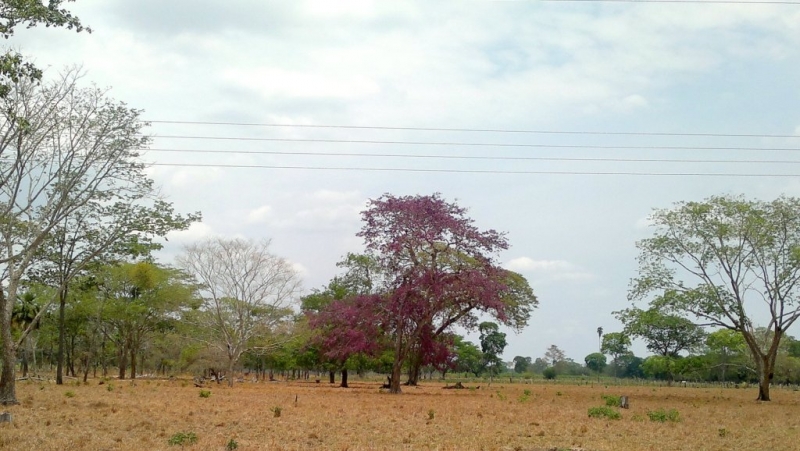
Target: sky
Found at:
538, 92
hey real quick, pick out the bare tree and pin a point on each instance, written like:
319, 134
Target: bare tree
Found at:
66, 152
248, 294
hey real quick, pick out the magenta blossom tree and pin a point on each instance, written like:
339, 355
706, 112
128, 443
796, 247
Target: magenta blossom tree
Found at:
439, 271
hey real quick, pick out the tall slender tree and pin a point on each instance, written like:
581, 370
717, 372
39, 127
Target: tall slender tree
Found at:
64, 150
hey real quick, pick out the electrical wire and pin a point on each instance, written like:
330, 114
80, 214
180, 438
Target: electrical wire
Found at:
470, 157
472, 144
475, 130
470, 171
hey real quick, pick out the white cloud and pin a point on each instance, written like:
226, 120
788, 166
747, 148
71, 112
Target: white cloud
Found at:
259, 215
547, 271
528, 264
643, 223
195, 232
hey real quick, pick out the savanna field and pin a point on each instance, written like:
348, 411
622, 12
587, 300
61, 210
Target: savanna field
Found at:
173, 415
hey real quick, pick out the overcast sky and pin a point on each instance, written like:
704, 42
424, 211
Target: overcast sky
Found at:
476, 65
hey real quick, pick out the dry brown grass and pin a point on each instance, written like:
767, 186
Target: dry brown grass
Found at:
144, 416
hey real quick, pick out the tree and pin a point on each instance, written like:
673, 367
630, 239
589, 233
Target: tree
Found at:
137, 299
469, 357
247, 291
615, 344
666, 335
492, 344
440, 272
521, 364
718, 260
554, 355
65, 150
600, 337
30, 13
596, 362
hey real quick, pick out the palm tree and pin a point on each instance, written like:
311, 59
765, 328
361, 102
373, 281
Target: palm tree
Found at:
600, 336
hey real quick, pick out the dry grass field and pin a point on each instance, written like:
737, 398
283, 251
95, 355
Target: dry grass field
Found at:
148, 414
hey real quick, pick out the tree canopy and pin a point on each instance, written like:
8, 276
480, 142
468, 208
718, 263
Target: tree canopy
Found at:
721, 260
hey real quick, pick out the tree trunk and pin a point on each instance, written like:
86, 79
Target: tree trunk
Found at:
394, 384
8, 394
230, 371
62, 302
123, 363
332, 377
414, 370
133, 363
344, 378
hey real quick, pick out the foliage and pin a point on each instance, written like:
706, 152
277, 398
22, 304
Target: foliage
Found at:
662, 415
182, 438
719, 259
438, 271
604, 412
247, 291
231, 445
521, 364
612, 400
68, 153
549, 373
665, 334
276, 411
554, 355
469, 357
615, 344
595, 362
492, 344
205, 393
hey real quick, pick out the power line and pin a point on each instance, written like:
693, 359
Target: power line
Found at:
468, 157
472, 144
469, 171
476, 130
698, 2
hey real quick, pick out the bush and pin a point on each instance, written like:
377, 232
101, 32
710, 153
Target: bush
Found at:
612, 401
604, 412
69, 394
662, 415
276, 411
549, 373
232, 445
182, 438
205, 393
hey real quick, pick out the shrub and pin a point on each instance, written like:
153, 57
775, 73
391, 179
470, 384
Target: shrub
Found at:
69, 394
604, 412
662, 415
276, 411
182, 438
549, 373
205, 393
612, 401
431, 414
232, 445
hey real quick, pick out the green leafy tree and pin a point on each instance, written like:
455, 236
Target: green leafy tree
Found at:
727, 349
596, 362
138, 299
615, 344
65, 150
665, 335
521, 364
469, 358
720, 261
492, 344
28, 13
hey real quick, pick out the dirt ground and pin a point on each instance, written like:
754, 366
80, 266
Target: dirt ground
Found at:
149, 414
